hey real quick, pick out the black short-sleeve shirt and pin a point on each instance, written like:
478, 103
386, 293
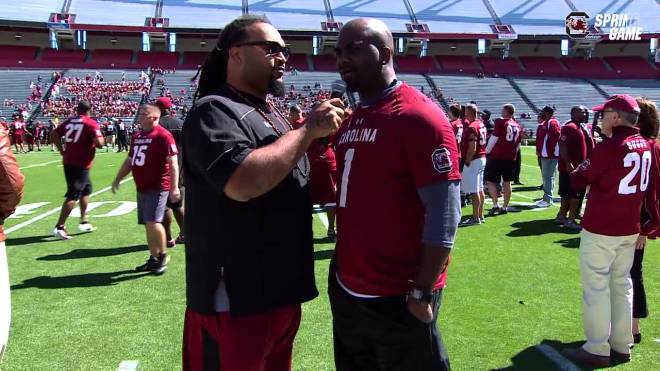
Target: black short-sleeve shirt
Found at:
265, 245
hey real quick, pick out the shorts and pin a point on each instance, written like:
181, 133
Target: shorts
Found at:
565, 188
18, 139
498, 170
473, 176
221, 341
151, 206
77, 182
323, 185
29, 139
179, 204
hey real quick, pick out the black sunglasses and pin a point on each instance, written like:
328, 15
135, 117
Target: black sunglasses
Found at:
272, 47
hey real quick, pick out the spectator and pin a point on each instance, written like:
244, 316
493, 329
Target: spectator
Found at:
547, 150
474, 157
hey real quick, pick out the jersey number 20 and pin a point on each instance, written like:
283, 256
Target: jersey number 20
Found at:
633, 160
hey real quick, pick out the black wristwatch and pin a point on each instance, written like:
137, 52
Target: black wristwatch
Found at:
420, 295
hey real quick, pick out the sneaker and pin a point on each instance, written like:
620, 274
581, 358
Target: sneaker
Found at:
543, 204
637, 338
504, 210
619, 358
161, 265
495, 211
572, 225
482, 220
584, 358
560, 220
180, 240
149, 265
171, 244
61, 233
86, 227
470, 221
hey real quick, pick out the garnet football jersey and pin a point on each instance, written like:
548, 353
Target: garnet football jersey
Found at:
576, 145
547, 138
509, 136
457, 125
623, 175
476, 130
78, 134
385, 152
149, 152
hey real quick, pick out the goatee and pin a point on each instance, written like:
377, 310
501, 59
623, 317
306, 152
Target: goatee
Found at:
276, 88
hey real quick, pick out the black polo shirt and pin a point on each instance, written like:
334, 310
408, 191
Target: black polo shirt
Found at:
265, 245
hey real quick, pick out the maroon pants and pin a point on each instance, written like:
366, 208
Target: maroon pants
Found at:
260, 342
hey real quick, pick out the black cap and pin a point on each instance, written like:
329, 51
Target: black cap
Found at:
487, 112
548, 109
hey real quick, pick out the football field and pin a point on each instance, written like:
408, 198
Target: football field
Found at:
513, 296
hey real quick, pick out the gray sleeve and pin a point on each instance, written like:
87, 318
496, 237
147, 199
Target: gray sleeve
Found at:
442, 202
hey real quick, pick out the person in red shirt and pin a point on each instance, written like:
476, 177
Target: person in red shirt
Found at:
81, 136
547, 149
18, 127
572, 152
152, 158
622, 175
398, 208
474, 158
503, 146
457, 124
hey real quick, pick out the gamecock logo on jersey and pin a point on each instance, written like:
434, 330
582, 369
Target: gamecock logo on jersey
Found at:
441, 160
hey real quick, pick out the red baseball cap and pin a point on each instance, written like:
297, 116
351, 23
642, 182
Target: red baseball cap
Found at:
164, 102
620, 102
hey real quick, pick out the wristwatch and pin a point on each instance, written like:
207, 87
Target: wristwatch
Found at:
419, 295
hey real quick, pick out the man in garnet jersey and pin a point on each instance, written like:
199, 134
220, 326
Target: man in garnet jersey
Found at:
152, 158
81, 136
572, 152
503, 146
474, 157
397, 213
622, 176
547, 149
457, 124
18, 127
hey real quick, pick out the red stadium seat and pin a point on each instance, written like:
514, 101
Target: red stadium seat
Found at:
17, 56
632, 67
414, 64
590, 68
111, 58
194, 59
157, 59
542, 66
458, 64
325, 62
506, 66
298, 61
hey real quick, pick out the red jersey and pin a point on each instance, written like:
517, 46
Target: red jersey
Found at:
79, 133
385, 152
576, 145
547, 139
296, 124
509, 136
19, 127
623, 176
475, 131
457, 125
588, 131
149, 152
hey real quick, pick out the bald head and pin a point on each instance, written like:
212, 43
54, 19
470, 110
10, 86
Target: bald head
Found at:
365, 56
372, 30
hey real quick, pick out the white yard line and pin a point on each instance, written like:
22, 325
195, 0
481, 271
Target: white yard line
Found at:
40, 165
562, 363
128, 366
53, 211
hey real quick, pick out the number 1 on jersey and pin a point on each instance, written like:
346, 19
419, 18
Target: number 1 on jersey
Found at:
348, 159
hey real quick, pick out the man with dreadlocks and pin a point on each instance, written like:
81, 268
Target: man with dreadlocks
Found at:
249, 243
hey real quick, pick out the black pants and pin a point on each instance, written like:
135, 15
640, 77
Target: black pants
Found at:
516, 169
381, 334
640, 309
122, 143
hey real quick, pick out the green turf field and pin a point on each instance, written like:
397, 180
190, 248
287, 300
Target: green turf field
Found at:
78, 304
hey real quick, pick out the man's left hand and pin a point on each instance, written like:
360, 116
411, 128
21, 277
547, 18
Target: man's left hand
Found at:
421, 310
175, 195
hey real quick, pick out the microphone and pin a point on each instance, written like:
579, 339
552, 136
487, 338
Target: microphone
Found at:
338, 89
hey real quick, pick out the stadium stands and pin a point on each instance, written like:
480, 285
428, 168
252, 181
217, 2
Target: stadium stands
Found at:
542, 66
194, 59
17, 55
324, 63
562, 93
489, 93
458, 64
62, 58
506, 66
633, 67
166, 60
15, 85
413, 64
580, 68
298, 61
111, 58
646, 88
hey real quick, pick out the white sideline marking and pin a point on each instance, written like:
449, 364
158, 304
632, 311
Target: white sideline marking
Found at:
562, 363
39, 165
127, 366
55, 210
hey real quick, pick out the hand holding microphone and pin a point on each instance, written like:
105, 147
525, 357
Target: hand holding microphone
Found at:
326, 117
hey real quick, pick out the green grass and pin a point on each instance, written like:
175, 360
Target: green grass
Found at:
77, 304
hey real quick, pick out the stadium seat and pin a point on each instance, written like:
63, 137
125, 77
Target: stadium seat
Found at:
579, 67
16, 55
298, 61
194, 59
325, 62
157, 59
459, 64
62, 58
632, 67
540, 66
414, 64
506, 66
110, 58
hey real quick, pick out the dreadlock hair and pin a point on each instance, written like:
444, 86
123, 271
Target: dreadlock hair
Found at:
213, 73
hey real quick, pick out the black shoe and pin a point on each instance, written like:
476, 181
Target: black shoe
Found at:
161, 266
149, 266
495, 211
637, 338
517, 182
